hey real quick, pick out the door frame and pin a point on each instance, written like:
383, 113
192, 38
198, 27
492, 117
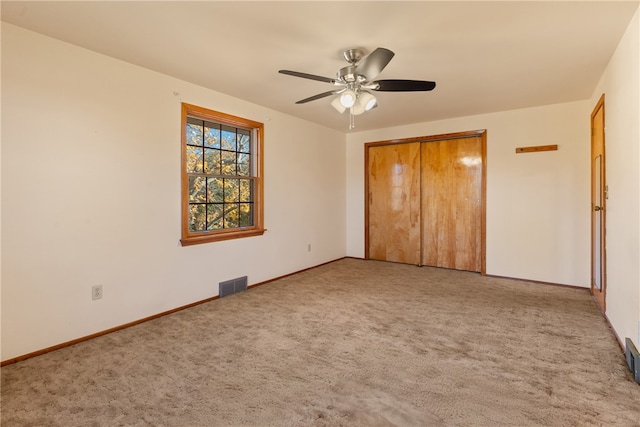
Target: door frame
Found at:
599, 295
482, 133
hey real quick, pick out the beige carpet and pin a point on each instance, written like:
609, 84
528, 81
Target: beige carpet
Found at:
351, 343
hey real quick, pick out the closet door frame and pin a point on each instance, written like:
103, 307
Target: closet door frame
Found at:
482, 133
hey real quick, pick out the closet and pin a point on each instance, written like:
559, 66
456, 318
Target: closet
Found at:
425, 201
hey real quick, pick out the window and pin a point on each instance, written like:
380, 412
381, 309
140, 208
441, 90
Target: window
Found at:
221, 176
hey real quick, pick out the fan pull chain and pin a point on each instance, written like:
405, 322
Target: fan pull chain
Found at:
352, 120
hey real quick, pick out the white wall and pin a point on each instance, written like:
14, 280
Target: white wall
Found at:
91, 195
621, 85
0, 208
537, 203
90, 173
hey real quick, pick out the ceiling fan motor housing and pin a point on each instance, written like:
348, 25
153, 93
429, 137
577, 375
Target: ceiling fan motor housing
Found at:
348, 74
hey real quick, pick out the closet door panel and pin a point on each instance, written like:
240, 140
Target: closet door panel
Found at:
394, 202
452, 203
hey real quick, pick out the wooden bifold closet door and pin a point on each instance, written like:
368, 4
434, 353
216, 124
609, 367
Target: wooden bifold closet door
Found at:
425, 201
394, 203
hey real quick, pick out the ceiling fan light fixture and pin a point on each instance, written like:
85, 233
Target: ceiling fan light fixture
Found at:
367, 100
338, 105
348, 98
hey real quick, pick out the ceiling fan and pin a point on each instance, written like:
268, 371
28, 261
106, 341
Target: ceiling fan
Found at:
355, 81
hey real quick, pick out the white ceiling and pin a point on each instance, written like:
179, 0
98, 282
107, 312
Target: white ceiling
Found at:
484, 56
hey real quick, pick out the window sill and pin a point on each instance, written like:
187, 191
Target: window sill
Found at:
216, 237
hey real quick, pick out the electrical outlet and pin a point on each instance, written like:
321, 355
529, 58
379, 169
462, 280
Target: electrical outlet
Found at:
96, 292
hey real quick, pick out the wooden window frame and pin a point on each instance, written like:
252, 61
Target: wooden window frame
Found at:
257, 128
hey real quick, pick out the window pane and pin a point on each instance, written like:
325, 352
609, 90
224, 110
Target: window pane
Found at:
197, 189
246, 190
246, 215
244, 140
214, 216
194, 159
228, 163
214, 190
228, 138
197, 217
231, 215
212, 161
244, 164
194, 134
231, 190
212, 135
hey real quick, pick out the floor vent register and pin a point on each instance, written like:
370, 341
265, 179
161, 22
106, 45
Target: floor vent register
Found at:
233, 286
633, 359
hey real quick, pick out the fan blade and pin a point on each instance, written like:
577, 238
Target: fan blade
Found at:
374, 63
404, 85
307, 76
314, 97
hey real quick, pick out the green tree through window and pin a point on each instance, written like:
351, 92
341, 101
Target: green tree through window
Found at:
222, 186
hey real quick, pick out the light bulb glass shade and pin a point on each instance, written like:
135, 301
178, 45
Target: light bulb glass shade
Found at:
348, 98
337, 105
367, 100
358, 108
